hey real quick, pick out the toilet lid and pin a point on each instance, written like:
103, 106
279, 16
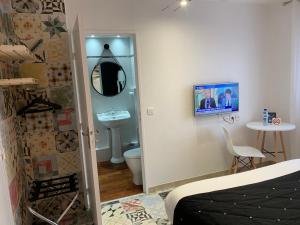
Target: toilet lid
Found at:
133, 153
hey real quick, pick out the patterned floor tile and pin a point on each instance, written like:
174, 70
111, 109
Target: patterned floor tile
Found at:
112, 210
118, 220
136, 210
137, 217
147, 222
132, 205
163, 195
53, 207
162, 222
155, 206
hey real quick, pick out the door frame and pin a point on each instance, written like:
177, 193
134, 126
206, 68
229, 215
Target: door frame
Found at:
6, 211
134, 35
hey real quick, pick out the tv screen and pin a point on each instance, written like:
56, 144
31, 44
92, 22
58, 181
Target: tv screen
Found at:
216, 98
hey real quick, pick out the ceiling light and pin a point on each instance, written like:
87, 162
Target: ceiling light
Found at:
118, 36
178, 4
92, 36
183, 3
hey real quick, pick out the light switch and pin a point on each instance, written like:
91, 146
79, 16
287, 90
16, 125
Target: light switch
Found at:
150, 111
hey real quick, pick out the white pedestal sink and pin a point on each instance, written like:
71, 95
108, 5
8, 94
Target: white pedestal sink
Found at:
114, 120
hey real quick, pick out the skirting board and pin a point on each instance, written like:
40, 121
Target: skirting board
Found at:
172, 185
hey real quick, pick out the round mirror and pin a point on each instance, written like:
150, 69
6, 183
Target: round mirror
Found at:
108, 78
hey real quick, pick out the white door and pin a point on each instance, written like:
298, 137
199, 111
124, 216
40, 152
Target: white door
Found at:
85, 124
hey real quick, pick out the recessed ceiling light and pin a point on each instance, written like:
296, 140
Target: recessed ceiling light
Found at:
92, 36
183, 3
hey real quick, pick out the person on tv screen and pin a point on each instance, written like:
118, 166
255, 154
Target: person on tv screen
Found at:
229, 101
208, 102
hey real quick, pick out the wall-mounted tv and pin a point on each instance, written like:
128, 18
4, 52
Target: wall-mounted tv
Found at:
216, 98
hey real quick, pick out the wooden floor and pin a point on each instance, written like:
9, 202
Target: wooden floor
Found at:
116, 181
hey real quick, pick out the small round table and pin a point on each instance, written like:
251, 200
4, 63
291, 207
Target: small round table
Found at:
277, 130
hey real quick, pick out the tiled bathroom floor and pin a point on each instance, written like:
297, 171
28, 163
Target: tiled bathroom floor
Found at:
136, 210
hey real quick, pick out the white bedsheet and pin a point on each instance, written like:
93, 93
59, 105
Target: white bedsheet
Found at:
230, 181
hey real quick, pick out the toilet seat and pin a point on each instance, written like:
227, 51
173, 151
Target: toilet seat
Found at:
133, 153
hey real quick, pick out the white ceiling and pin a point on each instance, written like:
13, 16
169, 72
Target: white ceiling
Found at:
252, 1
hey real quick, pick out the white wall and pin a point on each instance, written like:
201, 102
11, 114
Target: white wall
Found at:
277, 60
278, 38
295, 80
207, 42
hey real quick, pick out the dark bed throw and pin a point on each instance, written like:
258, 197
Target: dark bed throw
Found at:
270, 202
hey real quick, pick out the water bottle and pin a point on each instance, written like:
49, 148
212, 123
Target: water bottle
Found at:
265, 117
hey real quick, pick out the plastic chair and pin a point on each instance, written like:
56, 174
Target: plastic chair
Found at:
241, 153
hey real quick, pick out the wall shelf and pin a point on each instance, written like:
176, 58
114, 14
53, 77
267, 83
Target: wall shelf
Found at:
18, 82
15, 52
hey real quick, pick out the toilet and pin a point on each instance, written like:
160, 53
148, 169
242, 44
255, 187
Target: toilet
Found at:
133, 161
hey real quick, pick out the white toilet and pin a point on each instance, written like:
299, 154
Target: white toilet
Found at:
133, 161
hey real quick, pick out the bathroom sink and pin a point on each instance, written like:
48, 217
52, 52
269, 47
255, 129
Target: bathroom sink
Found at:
113, 119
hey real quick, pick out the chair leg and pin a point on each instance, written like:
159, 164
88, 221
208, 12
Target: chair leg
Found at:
232, 165
236, 165
252, 163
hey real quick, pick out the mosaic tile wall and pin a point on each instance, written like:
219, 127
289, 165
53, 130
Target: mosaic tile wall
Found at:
47, 144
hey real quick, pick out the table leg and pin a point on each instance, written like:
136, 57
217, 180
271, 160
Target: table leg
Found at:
262, 147
236, 165
282, 146
257, 138
275, 146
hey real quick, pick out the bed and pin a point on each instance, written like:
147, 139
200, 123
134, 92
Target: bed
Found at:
265, 196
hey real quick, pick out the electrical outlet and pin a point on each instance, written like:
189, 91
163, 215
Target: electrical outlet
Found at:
227, 117
237, 117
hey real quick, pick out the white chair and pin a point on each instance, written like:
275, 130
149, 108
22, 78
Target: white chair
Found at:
241, 153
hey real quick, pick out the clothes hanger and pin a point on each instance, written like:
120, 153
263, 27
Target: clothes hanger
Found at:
39, 105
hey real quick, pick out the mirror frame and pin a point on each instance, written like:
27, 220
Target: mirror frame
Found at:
98, 91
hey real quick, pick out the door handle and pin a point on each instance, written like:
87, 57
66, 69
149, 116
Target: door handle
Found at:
87, 134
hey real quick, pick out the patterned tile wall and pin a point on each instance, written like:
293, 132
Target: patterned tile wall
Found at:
47, 144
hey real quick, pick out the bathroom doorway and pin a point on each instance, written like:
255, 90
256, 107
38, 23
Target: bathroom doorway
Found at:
111, 62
